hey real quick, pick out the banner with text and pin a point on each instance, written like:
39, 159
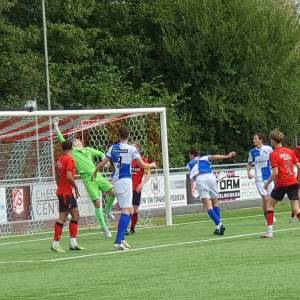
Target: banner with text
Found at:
232, 185
153, 193
44, 201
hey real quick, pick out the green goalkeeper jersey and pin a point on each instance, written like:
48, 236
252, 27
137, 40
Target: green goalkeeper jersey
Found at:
83, 157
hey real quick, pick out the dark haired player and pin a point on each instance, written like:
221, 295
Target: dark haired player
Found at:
67, 201
139, 177
121, 155
259, 156
201, 172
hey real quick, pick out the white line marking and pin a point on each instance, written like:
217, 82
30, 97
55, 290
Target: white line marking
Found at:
87, 228
144, 248
143, 228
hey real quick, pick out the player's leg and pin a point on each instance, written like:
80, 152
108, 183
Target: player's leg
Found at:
59, 224
220, 229
207, 203
216, 207
136, 201
276, 195
293, 195
293, 216
73, 225
109, 204
123, 190
101, 217
106, 187
95, 195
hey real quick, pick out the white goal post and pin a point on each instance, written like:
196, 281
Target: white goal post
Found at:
28, 149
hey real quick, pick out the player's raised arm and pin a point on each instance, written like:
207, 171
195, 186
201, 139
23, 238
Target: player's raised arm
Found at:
97, 153
58, 132
145, 165
221, 157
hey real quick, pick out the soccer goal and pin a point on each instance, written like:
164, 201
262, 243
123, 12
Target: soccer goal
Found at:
29, 149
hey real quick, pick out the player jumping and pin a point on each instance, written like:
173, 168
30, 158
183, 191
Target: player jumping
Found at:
67, 202
201, 172
283, 161
85, 166
121, 155
259, 156
139, 177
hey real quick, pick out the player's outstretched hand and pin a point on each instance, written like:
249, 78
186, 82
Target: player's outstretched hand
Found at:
153, 165
232, 154
56, 122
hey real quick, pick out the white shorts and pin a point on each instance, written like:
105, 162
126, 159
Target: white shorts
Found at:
123, 191
207, 186
261, 190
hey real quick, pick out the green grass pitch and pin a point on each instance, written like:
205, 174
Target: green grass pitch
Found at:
185, 261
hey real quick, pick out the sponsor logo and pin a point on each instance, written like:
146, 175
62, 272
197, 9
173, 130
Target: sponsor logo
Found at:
18, 200
285, 156
155, 186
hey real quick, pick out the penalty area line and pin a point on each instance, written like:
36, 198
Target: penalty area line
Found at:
142, 248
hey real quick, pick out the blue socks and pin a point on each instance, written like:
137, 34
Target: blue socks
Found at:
217, 211
214, 216
122, 227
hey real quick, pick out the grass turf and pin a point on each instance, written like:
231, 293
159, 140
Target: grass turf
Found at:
188, 263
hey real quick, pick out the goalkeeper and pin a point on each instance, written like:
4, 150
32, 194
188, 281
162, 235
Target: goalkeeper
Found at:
83, 157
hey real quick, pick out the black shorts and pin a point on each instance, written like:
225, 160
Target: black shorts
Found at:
279, 192
136, 198
66, 203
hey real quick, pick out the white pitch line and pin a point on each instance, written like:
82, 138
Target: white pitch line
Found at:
87, 228
142, 248
140, 228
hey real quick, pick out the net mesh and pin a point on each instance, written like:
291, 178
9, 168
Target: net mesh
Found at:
29, 148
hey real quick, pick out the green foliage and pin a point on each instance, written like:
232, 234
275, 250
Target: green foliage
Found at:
223, 69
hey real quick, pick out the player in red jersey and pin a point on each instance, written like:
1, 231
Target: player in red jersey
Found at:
67, 201
139, 177
297, 153
283, 161
293, 217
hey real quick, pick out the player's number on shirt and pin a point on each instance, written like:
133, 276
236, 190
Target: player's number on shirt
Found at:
288, 166
119, 158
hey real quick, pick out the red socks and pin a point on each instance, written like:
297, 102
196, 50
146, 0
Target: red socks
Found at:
73, 228
58, 228
270, 217
134, 219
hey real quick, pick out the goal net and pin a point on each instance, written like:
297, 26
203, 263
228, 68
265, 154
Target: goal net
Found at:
29, 149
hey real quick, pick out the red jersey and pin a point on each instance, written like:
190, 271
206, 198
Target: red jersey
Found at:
65, 163
285, 159
137, 173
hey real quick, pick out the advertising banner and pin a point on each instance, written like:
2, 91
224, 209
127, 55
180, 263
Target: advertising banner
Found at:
44, 201
153, 194
232, 185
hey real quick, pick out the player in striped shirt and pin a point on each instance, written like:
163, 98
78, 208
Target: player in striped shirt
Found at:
201, 171
121, 155
259, 157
